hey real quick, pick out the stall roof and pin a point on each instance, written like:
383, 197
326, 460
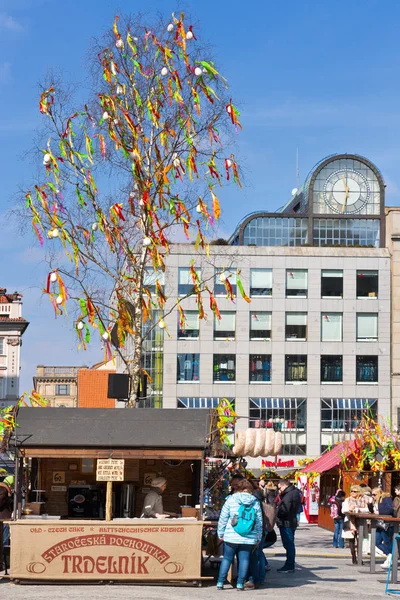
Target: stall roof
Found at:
330, 459
112, 428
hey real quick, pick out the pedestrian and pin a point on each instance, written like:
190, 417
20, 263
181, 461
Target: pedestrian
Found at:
355, 503
286, 519
396, 502
337, 515
383, 505
240, 528
153, 505
257, 576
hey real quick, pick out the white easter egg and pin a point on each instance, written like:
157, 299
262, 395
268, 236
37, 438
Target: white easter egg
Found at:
161, 325
170, 27
204, 71
228, 162
198, 208
47, 159
105, 115
177, 162
146, 241
119, 43
189, 35
164, 71
59, 299
53, 277
80, 326
105, 335
222, 277
95, 226
198, 72
229, 109
120, 90
55, 233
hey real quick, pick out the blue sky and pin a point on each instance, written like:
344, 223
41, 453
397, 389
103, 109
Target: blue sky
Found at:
322, 77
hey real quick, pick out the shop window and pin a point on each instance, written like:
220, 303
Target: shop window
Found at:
260, 325
331, 284
259, 368
296, 326
367, 369
150, 279
224, 328
296, 368
367, 284
188, 368
367, 327
341, 416
191, 328
331, 369
224, 366
186, 286
221, 277
331, 327
287, 415
260, 282
62, 390
296, 283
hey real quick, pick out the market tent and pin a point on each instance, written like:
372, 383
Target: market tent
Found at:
331, 459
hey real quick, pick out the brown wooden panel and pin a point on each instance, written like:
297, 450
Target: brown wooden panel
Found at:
119, 453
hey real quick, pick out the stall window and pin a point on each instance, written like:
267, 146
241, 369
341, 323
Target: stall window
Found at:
186, 286
188, 368
296, 283
367, 284
331, 284
341, 416
331, 327
367, 327
150, 279
191, 328
260, 325
62, 389
296, 368
331, 369
224, 328
296, 326
259, 368
260, 282
221, 277
367, 369
224, 368
287, 415
87, 465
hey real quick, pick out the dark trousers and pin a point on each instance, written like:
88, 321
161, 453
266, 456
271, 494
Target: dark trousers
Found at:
287, 535
384, 540
247, 557
338, 541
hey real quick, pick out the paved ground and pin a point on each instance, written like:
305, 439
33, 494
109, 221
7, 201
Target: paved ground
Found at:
322, 572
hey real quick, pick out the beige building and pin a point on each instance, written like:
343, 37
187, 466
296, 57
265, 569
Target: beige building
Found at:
58, 385
393, 246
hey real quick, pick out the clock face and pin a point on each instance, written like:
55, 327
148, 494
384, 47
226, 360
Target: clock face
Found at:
346, 191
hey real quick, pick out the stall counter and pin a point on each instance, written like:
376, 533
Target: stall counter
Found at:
130, 550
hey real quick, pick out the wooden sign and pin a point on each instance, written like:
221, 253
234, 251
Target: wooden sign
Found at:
110, 469
148, 478
58, 476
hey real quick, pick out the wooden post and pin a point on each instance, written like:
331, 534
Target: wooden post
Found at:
109, 501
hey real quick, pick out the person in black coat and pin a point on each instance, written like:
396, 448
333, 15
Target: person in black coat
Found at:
286, 520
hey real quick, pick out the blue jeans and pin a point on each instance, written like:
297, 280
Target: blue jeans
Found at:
258, 575
338, 541
384, 540
247, 557
287, 535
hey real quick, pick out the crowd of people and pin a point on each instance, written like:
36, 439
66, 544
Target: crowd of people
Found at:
247, 526
363, 499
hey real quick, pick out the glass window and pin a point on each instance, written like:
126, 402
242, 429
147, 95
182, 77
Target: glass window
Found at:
224, 368
62, 390
260, 282
331, 284
259, 368
150, 279
367, 284
260, 325
341, 416
276, 231
287, 415
188, 367
367, 369
152, 361
191, 328
2, 346
347, 232
186, 285
331, 369
367, 327
296, 368
296, 283
2, 387
224, 279
224, 328
201, 402
296, 326
331, 327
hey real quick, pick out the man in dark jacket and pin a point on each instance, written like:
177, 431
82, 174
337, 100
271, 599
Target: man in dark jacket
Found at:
286, 519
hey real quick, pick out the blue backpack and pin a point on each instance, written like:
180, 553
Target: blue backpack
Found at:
246, 519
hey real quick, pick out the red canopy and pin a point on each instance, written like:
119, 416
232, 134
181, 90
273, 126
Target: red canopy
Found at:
331, 459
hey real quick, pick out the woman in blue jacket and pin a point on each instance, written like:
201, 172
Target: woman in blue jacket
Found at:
383, 505
244, 546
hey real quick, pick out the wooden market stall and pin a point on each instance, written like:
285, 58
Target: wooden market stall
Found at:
68, 537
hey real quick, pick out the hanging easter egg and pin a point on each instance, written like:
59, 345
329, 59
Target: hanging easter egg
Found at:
229, 109
177, 162
120, 90
161, 325
141, 202
50, 233
55, 233
105, 335
113, 68
198, 72
119, 43
95, 226
116, 122
80, 326
164, 71
46, 159
228, 162
146, 241
189, 35
222, 277
105, 115
198, 208
204, 71
170, 28
53, 277
59, 299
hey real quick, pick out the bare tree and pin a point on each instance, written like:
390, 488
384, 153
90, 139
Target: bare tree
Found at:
125, 174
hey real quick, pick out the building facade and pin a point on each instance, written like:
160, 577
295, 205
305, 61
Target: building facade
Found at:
311, 352
12, 328
58, 385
